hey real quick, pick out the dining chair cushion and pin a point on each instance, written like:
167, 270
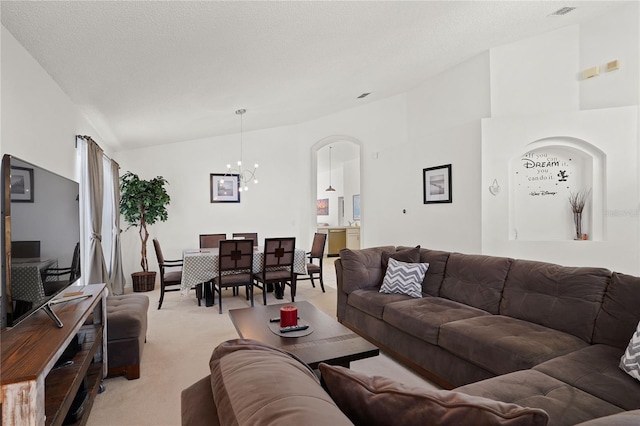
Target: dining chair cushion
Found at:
312, 267
232, 279
172, 276
282, 275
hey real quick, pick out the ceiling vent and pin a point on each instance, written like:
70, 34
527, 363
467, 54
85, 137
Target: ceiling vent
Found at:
364, 95
563, 11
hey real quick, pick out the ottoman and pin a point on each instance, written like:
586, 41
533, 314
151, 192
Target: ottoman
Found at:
126, 334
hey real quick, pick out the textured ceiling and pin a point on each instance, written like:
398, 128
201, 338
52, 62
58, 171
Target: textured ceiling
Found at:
151, 72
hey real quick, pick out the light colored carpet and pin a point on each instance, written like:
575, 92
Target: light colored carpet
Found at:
180, 339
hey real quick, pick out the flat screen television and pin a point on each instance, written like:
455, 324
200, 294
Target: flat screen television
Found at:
40, 232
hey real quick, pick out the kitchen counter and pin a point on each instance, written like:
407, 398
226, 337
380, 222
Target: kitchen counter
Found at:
340, 237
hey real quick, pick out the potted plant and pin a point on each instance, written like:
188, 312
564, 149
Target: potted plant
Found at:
142, 203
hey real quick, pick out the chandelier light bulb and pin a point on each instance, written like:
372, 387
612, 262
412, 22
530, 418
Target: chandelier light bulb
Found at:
255, 181
228, 166
255, 165
239, 163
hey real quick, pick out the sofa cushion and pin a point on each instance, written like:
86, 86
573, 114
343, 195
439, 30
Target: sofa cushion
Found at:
404, 278
594, 369
475, 280
196, 405
627, 418
362, 268
559, 297
422, 318
437, 261
254, 383
620, 311
502, 344
630, 360
381, 401
565, 404
407, 255
372, 301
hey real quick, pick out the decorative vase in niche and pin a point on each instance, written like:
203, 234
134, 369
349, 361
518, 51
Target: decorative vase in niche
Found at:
577, 219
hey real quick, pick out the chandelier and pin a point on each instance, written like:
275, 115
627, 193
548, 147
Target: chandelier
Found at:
330, 188
244, 175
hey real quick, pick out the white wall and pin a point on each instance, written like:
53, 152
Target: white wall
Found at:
282, 204
39, 121
444, 128
436, 123
612, 36
601, 111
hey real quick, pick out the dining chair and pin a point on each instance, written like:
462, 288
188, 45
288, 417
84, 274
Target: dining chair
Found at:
170, 274
211, 240
277, 267
247, 236
235, 268
52, 277
317, 252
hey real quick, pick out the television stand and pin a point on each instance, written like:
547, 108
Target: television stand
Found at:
34, 391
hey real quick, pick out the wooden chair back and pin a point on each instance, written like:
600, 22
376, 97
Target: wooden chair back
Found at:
211, 240
247, 236
236, 255
279, 252
317, 247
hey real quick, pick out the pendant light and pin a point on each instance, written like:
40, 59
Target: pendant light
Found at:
244, 175
330, 188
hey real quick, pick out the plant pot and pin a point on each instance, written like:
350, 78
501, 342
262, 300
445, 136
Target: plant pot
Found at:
144, 281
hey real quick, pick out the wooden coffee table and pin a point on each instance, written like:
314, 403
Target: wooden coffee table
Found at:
330, 341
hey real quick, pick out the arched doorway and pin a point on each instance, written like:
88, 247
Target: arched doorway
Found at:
341, 208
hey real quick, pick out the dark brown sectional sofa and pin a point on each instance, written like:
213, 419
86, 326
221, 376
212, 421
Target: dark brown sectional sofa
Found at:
532, 333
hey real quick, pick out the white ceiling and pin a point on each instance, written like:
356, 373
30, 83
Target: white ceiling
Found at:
151, 72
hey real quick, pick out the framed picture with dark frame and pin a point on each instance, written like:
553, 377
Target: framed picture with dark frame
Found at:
436, 183
225, 188
21, 184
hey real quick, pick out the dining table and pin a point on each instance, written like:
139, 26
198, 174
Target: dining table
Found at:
27, 277
200, 266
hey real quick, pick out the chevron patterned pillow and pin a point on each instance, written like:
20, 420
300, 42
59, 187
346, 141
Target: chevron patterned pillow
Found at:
630, 361
404, 278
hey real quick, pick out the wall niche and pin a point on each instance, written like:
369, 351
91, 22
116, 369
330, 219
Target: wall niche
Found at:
541, 180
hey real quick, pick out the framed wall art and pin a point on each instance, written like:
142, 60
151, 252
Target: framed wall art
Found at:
323, 207
225, 188
356, 207
21, 185
437, 184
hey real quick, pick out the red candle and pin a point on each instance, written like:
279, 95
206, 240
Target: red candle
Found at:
288, 316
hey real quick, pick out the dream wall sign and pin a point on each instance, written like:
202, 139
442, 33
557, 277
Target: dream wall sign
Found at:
542, 181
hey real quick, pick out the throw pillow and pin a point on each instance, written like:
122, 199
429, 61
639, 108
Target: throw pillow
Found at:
381, 401
404, 278
630, 361
411, 255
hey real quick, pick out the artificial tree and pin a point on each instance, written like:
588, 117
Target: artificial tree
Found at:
142, 203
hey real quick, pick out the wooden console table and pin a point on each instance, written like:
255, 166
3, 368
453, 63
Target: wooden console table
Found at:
33, 392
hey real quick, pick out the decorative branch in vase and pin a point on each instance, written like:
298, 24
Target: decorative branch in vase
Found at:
577, 200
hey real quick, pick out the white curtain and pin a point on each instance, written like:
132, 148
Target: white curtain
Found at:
94, 269
116, 272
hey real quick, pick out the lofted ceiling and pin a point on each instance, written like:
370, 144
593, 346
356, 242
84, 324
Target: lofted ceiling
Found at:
154, 72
